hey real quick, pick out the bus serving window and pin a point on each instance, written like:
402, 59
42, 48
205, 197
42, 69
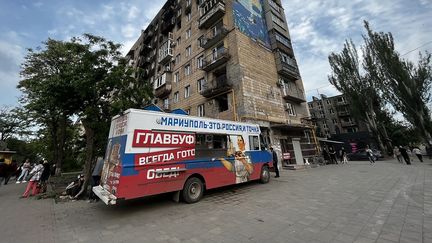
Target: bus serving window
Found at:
210, 146
254, 143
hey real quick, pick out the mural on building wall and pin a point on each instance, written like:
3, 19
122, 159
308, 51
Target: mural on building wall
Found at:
249, 18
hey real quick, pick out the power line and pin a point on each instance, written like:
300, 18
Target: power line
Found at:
425, 44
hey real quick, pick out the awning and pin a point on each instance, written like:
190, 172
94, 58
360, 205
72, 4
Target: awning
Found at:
329, 141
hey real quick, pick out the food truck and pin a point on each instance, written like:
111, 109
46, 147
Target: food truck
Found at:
151, 152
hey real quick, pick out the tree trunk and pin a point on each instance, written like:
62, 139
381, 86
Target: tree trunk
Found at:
373, 127
90, 140
61, 143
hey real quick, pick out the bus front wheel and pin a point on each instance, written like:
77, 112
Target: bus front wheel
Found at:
193, 190
265, 175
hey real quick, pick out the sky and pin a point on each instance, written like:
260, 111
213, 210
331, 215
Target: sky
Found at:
317, 28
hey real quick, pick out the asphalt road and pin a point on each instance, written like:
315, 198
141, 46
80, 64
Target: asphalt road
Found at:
358, 202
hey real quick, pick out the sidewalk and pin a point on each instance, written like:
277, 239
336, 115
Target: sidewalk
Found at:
26, 219
358, 202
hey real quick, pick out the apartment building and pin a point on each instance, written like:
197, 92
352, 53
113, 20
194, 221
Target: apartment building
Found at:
228, 59
333, 119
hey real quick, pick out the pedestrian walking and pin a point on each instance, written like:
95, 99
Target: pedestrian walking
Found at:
343, 156
370, 155
326, 156
397, 154
275, 162
35, 176
418, 153
405, 155
332, 154
25, 168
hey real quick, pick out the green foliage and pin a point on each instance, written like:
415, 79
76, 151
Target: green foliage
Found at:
87, 79
405, 85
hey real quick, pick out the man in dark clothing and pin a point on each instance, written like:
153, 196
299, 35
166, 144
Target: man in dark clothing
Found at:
405, 155
275, 161
332, 153
45, 175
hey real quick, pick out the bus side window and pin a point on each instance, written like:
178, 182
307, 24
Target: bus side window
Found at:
254, 143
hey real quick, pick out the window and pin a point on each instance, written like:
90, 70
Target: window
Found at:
176, 97
187, 111
188, 17
328, 102
187, 91
201, 84
200, 111
200, 61
176, 77
166, 103
254, 143
290, 109
331, 111
177, 59
188, 33
201, 41
178, 40
307, 134
188, 70
222, 102
286, 59
310, 106
188, 51
334, 121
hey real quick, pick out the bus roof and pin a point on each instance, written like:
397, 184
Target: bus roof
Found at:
153, 120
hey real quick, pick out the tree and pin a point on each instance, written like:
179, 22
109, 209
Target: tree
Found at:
12, 122
47, 93
359, 89
405, 85
85, 78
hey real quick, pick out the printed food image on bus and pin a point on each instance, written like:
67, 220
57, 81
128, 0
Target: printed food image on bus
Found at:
112, 171
240, 163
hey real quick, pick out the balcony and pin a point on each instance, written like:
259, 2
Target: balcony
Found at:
216, 59
291, 92
168, 25
212, 37
164, 87
165, 51
348, 124
344, 113
215, 12
216, 87
288, 70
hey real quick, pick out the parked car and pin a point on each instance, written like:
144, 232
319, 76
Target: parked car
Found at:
362, 155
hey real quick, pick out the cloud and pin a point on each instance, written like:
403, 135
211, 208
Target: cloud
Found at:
319, 27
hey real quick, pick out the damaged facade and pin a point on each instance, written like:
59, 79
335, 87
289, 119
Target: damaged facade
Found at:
231, 60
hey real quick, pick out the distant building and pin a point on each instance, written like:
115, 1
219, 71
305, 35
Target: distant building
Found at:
333, 120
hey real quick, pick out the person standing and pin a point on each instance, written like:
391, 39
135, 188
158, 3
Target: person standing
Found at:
45, 176
418, 153
397, 154
370, 155
405, 155
96, 176
343, 155
275, 162
25, 168
332, 153
35, 175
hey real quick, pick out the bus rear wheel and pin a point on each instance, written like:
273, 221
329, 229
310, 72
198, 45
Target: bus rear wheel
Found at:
193, 190
265, 175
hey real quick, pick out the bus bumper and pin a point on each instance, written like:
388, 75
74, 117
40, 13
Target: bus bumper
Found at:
104, 195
